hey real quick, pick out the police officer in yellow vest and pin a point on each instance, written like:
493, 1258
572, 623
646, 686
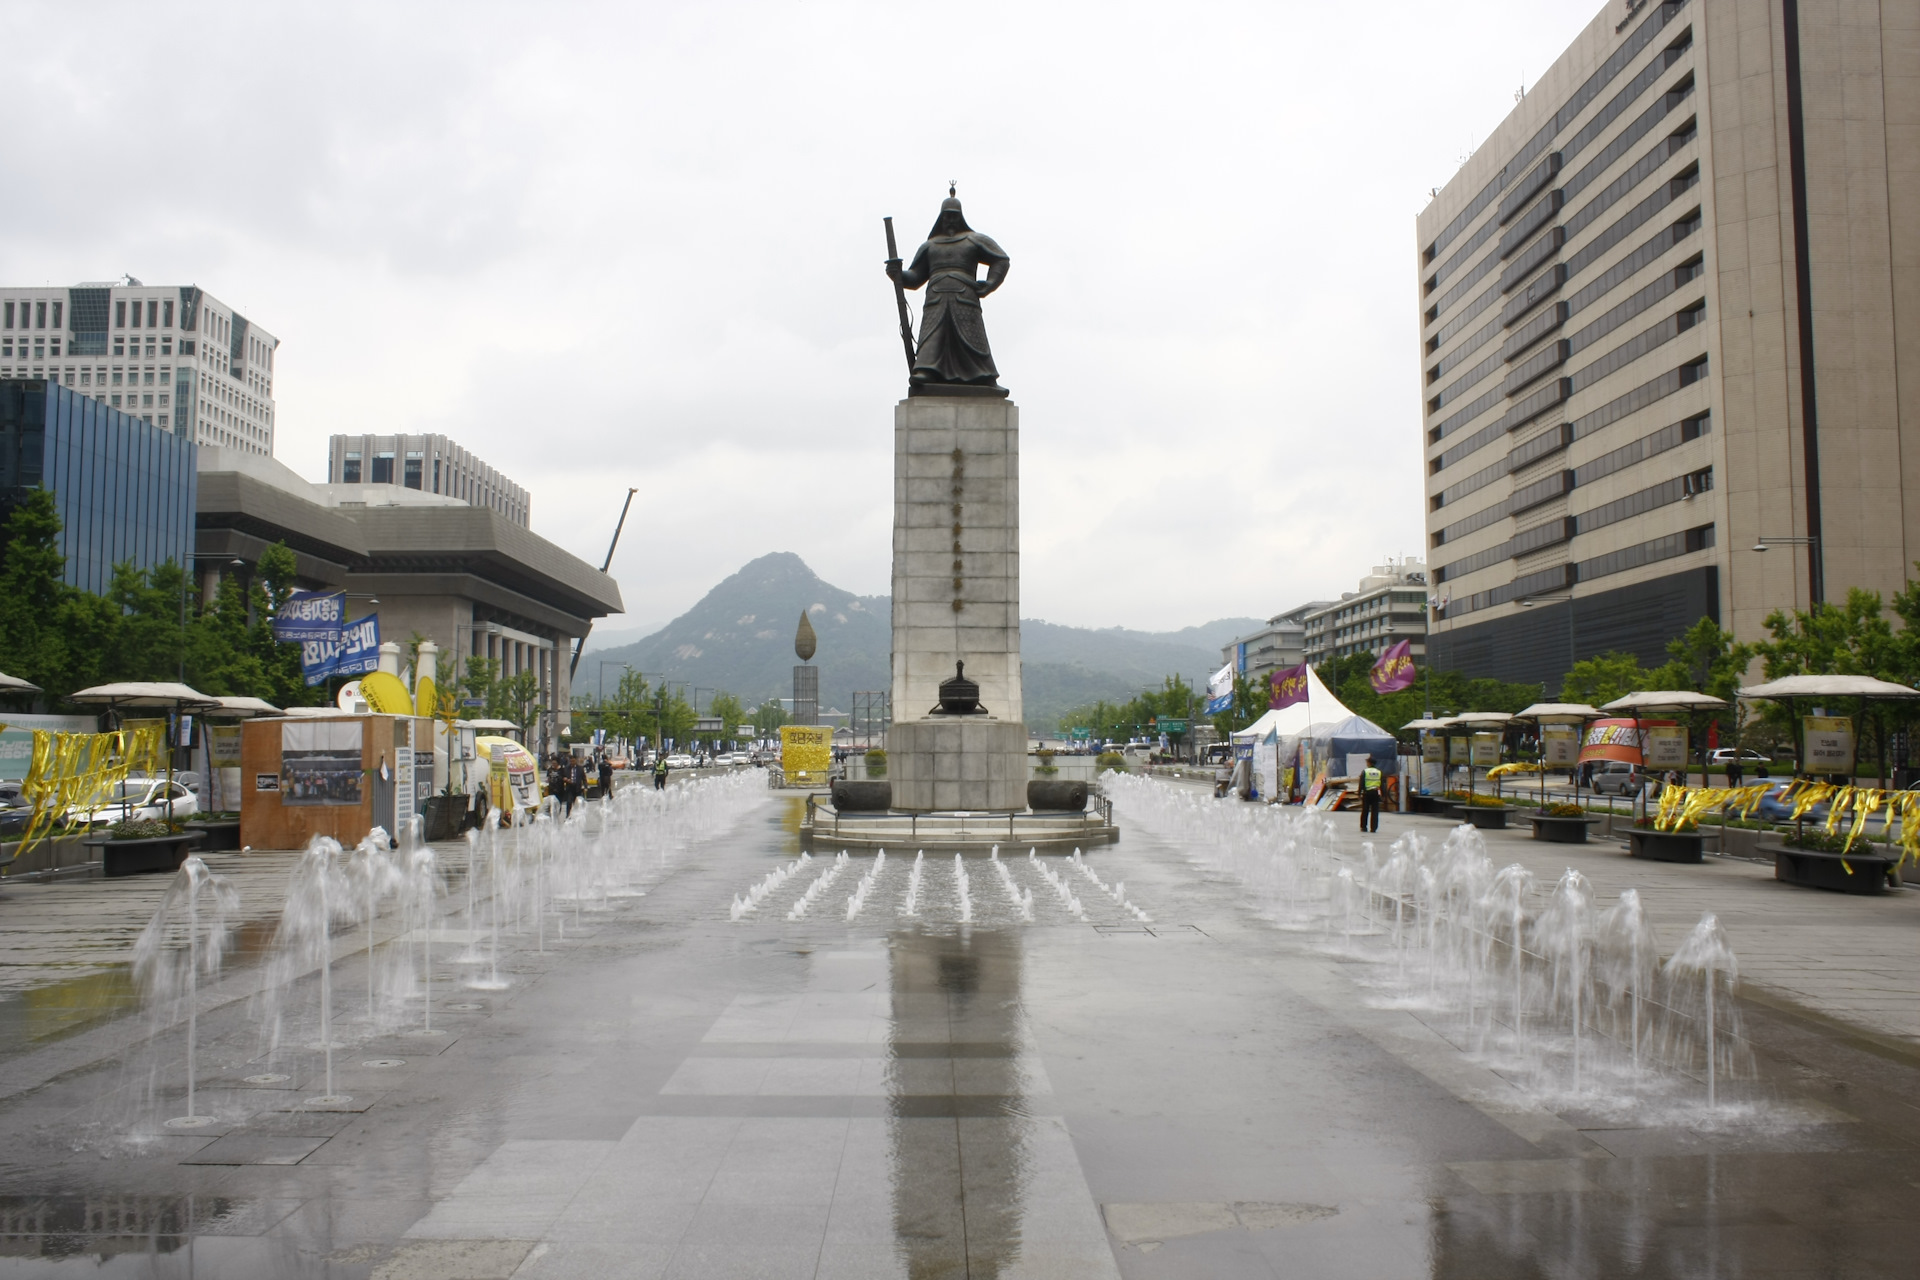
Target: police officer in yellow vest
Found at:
1370, 780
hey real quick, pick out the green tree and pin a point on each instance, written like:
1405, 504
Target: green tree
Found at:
1448, 692
768, 717
1598, 680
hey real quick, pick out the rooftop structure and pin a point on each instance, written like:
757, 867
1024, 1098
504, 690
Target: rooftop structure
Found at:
429, 464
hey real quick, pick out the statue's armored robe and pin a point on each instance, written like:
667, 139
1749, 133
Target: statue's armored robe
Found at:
953, 337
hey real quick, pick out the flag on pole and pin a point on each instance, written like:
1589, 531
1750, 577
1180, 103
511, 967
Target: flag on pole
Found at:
1220, 690
1289, 686
1394, 671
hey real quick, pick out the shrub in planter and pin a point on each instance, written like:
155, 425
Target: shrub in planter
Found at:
1816, 840
1685, 828
1046, 768
1477, 799
1110, 760
144, 829
876, 763
1564, 811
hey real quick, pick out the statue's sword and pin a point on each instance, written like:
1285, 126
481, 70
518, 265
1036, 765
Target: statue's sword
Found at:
900, 297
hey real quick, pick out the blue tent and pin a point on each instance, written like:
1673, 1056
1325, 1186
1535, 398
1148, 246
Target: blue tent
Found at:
1354, 736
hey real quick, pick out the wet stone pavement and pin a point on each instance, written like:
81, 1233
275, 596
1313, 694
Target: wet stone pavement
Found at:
1127, 1068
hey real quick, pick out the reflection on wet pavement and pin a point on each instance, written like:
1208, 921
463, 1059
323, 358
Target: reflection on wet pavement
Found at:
673, 1091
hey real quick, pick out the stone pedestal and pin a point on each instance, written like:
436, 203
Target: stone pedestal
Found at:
956, 552
956, 598
946, 763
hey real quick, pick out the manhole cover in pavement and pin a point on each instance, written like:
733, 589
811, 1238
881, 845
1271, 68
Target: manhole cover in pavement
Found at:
384, 1062
464, 1006
270, 1077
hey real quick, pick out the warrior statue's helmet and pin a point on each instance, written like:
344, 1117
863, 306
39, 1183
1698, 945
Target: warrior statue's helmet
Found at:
951, 221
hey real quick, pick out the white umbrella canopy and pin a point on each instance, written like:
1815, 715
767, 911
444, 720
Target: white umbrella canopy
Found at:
242, 708
1486, 719
1829, 687
1441, 723
146, 693
1665, 700
1559, 713
14, 684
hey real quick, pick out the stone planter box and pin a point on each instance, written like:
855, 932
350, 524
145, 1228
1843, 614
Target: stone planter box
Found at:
1666, 846
1484, 816
140, 857
1871, 872
1556, 830
218, 835
1427, 804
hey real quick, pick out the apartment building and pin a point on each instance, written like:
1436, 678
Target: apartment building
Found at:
1670, 335
1282, 643
431, 464
174, 356
1388, 606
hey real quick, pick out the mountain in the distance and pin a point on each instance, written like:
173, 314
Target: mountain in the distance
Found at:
739, 638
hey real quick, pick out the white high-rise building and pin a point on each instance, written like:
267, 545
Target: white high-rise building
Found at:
173, 356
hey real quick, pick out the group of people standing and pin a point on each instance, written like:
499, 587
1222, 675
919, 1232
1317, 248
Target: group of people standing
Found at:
568, 778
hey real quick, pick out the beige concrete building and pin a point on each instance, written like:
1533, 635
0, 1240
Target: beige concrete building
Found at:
1670, 310
1388, 606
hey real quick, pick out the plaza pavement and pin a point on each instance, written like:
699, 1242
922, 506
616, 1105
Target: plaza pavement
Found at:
669, 1092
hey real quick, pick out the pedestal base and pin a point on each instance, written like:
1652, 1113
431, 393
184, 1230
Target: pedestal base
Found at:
951, 764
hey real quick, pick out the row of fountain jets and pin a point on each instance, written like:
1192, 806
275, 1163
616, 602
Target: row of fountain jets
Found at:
749, 903
527, 882
1549, 987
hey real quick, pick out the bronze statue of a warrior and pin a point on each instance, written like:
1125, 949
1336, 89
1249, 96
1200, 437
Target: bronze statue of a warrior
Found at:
953, 338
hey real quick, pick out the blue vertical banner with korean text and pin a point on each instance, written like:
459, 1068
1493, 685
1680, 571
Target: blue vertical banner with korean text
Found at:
354, 650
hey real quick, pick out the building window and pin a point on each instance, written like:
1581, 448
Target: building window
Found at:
146, 400
163, 417
86, 377
350, 469
412, 475
116, 375
120, 314
166, 316
9, 315
383, 468
116, 400
39, 315
153, 313
163, 399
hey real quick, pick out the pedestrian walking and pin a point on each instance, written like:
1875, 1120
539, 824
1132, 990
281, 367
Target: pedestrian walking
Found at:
576, 784
1371, 780
1736, 770
606, 778
660, 772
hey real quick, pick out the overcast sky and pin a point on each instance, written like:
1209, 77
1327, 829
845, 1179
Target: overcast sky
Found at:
640, 244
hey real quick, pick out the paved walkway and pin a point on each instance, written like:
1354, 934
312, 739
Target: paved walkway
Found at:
671, 1092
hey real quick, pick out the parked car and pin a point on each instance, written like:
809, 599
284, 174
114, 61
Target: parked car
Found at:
139, 798
1725, 756
679, 760
1619, 778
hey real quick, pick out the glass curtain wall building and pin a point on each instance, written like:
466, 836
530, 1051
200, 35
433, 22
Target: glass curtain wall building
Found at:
1660, 326
125, 489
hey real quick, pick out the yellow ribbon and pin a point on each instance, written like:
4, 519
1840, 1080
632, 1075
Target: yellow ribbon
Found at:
72, 773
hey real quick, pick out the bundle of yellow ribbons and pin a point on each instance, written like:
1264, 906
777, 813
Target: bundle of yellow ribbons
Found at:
80, 771
1680, 806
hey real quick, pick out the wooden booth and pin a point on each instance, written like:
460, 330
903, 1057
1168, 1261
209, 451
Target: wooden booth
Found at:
332, 775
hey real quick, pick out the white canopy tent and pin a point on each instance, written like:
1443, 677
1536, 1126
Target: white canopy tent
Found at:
1319, 707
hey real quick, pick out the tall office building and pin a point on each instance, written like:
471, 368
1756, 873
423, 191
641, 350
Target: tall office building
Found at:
1670, 313
431, 464
174, 357
1389, 605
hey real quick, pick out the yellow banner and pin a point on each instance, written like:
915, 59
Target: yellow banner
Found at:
806, 753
